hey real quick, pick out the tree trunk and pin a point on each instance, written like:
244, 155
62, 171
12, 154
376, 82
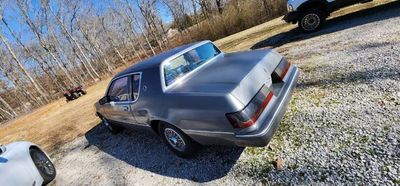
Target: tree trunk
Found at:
37, 58
76, 44
140, 28
219, 5
98, 50
38, 36
4, 102
196, 17
22, 68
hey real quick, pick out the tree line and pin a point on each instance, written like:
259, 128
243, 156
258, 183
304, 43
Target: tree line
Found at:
48, 46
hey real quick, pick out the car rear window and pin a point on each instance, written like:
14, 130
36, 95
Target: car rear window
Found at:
189, 61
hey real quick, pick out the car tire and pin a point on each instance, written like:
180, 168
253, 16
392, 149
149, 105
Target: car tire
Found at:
43, 165
312, 20
111, 127
75, 95
177, 141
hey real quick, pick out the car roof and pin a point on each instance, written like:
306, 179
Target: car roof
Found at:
155, 61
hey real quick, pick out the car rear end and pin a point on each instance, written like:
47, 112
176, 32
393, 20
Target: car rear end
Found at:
258, 120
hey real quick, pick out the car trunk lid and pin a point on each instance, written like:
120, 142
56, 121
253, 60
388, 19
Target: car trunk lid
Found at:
241, 74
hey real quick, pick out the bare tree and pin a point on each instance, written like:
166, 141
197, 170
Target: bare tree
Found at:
74, 40
148, 10
44, 45
36, 57
22, 68
137, 24
220, 5
10, 111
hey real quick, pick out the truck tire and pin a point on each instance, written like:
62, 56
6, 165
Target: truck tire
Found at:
312, 20
75, 95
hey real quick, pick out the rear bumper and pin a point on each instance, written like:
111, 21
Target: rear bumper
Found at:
291, 17
270, 121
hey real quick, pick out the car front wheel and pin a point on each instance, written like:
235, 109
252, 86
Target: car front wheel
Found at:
43, 164
312, 20
111, 127
177, 141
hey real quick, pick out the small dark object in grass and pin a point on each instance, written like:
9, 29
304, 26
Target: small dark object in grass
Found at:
74, 93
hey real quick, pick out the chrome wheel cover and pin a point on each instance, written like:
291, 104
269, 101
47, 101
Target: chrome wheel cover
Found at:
310, 22
174, 139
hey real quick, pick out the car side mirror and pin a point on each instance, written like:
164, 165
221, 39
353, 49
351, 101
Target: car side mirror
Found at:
2, 149
103, 100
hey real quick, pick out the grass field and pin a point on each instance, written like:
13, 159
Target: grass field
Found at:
58, 123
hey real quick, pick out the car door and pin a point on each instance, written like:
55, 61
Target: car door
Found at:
119, 101
337, 4
139, 112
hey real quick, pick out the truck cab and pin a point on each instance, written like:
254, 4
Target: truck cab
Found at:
311, 14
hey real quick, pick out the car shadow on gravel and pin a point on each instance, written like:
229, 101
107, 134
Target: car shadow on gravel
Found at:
343, 22
144, 149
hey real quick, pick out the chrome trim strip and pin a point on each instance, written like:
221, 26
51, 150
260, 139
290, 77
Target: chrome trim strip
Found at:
206, 132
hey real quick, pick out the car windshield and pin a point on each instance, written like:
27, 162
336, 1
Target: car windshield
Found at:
187, 62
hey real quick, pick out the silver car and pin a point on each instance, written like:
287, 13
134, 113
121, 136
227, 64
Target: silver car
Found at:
196, 94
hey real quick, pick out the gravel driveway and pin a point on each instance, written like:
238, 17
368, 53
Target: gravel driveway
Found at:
342, 125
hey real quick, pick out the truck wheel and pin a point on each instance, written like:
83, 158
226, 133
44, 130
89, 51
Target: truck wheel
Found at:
111, 127
177, 141
312, 20
83, 92
75, 95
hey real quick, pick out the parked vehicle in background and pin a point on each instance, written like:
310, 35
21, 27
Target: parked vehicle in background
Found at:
311, 14
24, 163
197, 94
74, 93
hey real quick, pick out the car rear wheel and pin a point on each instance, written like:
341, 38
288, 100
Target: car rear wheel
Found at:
43, 164
177, 141
312, 20
111, 127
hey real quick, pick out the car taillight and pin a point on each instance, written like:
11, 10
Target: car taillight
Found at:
282, 68
249, 115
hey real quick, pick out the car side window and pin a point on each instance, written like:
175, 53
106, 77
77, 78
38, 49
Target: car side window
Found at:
119, 90
135, 86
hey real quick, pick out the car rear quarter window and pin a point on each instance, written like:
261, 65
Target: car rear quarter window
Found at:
119, 90
187, 62
135, 86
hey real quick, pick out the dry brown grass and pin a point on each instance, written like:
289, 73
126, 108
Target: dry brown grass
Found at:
59, 122
56, 123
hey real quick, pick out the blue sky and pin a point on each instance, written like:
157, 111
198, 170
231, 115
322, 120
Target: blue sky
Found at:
11, 14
